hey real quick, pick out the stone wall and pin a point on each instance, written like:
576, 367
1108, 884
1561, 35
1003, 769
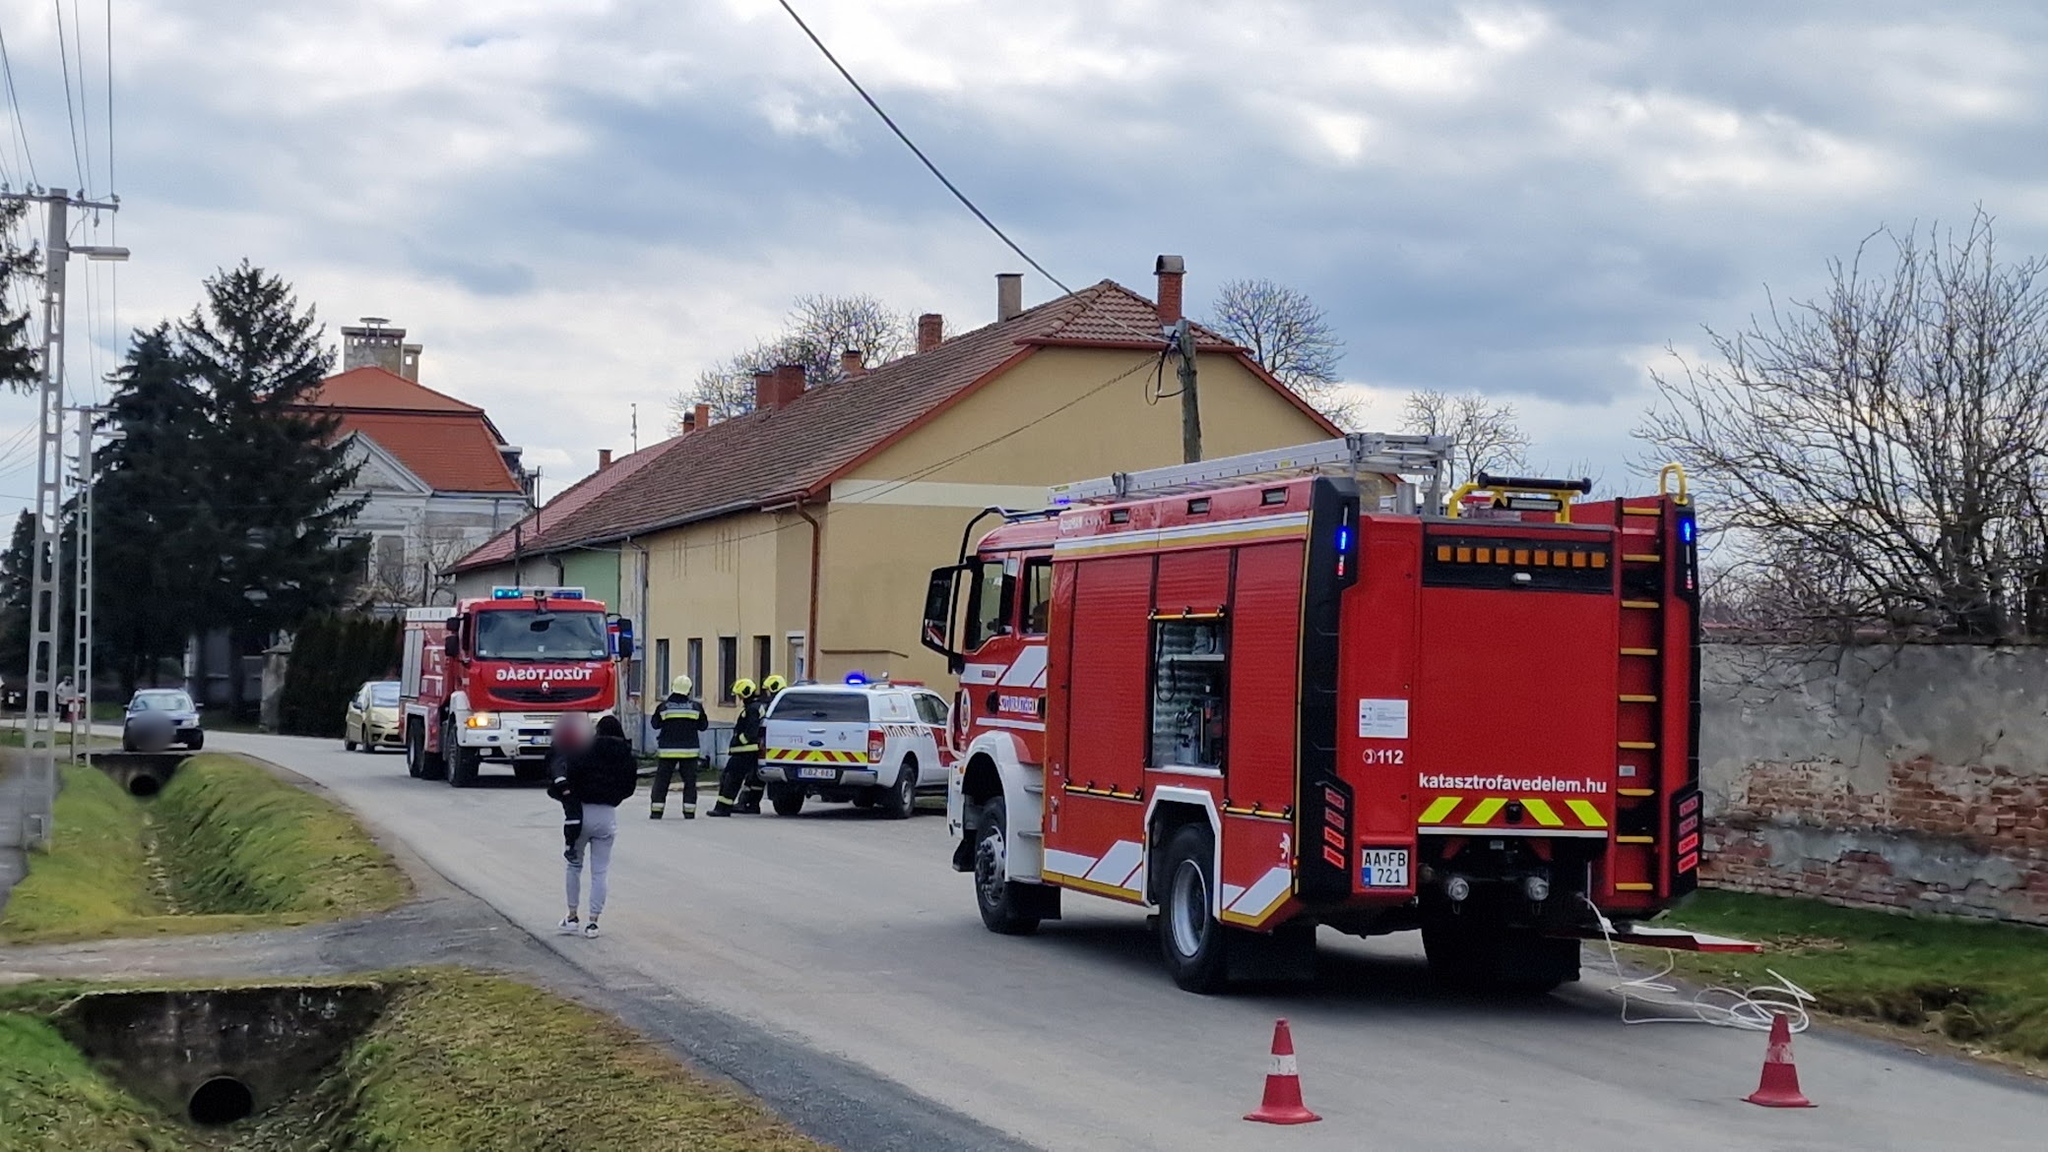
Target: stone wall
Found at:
1911, 777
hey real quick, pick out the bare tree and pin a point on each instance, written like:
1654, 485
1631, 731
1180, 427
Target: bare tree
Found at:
816, 331
1879, 453
1290, 337
1488, 437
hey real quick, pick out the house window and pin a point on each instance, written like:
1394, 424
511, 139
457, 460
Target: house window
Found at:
391, 560
1190, 681
798, 671
1037, 596
661, 674
764, 658
694, 661
728, 667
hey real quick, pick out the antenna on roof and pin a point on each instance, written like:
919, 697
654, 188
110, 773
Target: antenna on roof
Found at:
636, 427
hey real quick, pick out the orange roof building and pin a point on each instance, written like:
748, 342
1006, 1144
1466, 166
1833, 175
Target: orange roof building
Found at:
439, 477
797, 538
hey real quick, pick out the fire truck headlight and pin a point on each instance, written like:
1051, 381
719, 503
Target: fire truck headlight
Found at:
1536, 888
1457, 888
482, 720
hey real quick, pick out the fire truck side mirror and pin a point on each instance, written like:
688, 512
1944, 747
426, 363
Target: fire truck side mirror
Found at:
939, 599
452, 645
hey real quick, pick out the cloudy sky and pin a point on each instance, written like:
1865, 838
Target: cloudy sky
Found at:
576, 205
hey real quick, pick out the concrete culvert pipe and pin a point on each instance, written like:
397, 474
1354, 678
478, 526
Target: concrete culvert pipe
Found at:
221, 1100
143, 785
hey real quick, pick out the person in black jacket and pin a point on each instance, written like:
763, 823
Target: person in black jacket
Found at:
739, 786
679, 731
571, 735
601, 776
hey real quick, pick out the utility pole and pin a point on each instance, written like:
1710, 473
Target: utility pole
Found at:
39, 726
1183, 343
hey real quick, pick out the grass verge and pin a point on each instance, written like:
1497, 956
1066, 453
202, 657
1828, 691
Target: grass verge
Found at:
50, 1097
457, 1061
226, 847
1981, 984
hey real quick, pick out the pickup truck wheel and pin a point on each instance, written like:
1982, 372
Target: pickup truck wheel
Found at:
1190, 937
1002, 904
462, 762
786, 801
903, 797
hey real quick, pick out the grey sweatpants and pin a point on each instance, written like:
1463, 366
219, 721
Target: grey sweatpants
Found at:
600, 821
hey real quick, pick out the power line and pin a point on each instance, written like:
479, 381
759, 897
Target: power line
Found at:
84, 110
14, 105
919, 152
70, 112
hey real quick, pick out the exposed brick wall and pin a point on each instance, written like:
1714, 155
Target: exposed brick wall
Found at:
1910, 779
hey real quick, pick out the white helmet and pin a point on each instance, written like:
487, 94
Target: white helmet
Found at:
681, 686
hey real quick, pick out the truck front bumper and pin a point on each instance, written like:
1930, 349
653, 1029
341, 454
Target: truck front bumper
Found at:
517, 734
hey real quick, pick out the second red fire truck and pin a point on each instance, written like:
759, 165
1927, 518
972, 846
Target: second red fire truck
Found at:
1265, 694
483, 682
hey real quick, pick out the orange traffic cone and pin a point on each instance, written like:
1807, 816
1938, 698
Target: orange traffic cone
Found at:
1283, 1085
1780, 1085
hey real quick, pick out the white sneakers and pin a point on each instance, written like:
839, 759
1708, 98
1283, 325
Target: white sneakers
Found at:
570, 926
590, 930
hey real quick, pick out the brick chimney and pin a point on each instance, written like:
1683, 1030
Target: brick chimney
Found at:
931, 331
1009, 295
851, 363
702, 416
789, 383
1169, 269
764, 389
689, 421
604, 459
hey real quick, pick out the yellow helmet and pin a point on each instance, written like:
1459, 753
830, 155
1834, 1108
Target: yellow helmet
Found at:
743, 688
774, 683
681, 685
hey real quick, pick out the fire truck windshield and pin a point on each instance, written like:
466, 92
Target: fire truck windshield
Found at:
530, 634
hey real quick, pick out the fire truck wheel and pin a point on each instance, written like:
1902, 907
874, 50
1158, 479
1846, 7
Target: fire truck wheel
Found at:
1189, 936
903, 797
786, 801
1000, 899
462, 762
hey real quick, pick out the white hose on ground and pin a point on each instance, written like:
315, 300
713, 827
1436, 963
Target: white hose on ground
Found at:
1750, 1009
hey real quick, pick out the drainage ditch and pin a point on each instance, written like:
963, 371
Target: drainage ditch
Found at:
215, 1056
140, 774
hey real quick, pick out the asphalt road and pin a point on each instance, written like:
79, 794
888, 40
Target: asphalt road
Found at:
847, 935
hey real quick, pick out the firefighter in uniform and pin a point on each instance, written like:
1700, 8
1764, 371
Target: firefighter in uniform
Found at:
739, 786
679, 725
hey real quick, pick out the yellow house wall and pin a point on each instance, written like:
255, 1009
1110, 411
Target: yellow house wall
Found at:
1048, 420
733, 576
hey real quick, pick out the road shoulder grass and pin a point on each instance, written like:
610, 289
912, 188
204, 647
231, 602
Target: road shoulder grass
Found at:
456, 1061
227, 846
1981, 985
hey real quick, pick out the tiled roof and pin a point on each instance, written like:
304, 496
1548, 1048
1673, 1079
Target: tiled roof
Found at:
374, 387
450, 445
450, 451
774, 455
498, 549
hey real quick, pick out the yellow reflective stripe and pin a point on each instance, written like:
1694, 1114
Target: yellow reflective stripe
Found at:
1543, 813
677, 754
1587, 814
1440, 808
1486, 811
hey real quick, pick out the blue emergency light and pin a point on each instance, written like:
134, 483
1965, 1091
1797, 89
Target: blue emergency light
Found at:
502, 592
1686, 529
856, 677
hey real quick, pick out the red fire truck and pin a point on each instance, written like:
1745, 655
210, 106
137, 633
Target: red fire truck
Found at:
484, 681
1262, 694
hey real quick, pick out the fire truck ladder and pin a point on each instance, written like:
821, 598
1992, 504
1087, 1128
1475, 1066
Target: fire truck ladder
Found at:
1360, 452
1632, 864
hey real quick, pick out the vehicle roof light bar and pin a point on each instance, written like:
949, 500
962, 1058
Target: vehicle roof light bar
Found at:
1399, 454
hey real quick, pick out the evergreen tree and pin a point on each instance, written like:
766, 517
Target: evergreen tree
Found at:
14, 593
273, 467
20, 365
155, 534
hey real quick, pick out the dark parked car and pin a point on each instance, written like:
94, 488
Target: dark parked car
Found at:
164, 704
